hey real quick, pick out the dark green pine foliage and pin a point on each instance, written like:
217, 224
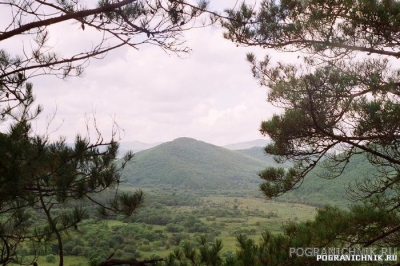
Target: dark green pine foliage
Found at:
199, 253
37, 175
340, 98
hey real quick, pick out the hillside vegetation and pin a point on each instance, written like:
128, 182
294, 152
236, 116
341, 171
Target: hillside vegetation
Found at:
321, 191
191, 164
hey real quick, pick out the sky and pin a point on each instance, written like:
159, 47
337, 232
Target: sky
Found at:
209, 95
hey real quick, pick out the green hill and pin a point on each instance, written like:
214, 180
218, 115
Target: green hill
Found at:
188, 163
317, 190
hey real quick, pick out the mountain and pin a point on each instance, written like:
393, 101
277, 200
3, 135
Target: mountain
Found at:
318, 190
247, 144
189, 163
134, 146
260, 154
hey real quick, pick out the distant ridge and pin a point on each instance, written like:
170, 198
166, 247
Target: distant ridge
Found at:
247, 144
260, 154
137, 146
134, 146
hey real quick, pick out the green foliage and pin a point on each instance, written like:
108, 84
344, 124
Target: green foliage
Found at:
159, 198
332, 227
127, 238
314, 190
207, 254
316, 26
320, 191
36, 176
174, 228
50, 259
338, 104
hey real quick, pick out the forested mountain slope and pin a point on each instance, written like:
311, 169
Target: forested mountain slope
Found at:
191, 164
194, 164
318, 190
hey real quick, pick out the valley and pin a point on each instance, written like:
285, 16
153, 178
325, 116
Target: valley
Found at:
169, 220
192, 190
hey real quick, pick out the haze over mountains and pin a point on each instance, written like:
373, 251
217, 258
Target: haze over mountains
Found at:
187, 163
136, 146
260, 154
247, 144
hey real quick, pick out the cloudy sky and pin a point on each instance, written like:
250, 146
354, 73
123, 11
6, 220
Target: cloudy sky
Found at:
209, 95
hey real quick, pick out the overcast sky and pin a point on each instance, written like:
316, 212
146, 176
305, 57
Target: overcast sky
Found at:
210, 95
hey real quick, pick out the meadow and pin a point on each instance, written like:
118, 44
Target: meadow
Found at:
170, 219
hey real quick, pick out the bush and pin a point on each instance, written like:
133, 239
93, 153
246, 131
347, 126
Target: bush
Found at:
175, 239
174, 228
50, 259
77, 251
271, 214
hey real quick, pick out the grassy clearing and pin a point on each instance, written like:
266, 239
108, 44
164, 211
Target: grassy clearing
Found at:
261, 215
253, 213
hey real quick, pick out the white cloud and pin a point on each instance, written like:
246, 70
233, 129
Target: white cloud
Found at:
209, 95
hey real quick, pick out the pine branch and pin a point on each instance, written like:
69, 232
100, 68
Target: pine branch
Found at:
381, 236
68, 16
5, 258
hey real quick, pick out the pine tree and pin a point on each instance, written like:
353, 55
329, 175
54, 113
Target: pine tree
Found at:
36, 174
339, 97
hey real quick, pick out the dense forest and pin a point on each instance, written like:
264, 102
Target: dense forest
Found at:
327, 176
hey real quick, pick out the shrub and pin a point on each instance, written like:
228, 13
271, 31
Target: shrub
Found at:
174, 228
50, 259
